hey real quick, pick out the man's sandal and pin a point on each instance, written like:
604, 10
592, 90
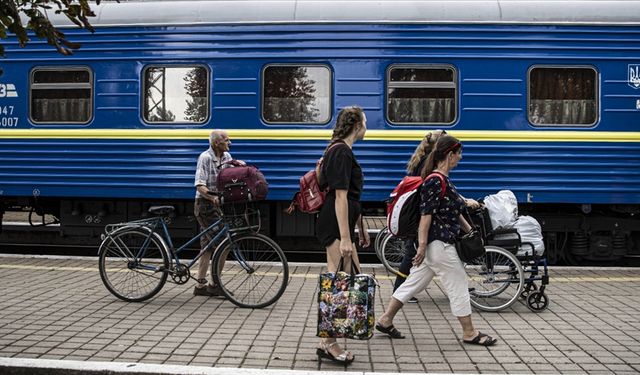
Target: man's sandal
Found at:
325, 353
489, 341
391, 331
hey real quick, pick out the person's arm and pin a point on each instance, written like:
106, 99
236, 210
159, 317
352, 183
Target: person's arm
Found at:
202, 175
204, 192
363, 234
423, 238
342, 214
471, 203
466, 227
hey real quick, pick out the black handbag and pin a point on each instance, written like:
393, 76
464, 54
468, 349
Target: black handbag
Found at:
470, 246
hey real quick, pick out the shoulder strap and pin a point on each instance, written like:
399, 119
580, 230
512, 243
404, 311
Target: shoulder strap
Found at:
443, 184
336, 143
320, 161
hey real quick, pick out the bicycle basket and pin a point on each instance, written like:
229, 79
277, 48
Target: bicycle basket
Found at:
241, 218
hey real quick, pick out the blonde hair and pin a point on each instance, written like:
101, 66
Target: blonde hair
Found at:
423, 149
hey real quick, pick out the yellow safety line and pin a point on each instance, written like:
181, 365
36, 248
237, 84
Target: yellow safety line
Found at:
324, 134
560, 279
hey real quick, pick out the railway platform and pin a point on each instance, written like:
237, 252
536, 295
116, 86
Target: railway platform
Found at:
56, 317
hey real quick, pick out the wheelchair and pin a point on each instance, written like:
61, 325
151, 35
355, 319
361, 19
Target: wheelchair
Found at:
509, 270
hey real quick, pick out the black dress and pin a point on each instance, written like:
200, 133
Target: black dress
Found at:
340, 170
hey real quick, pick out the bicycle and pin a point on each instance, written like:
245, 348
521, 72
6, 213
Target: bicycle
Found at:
137, 257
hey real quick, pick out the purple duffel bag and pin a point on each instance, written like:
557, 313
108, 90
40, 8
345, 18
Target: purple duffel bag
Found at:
242, 183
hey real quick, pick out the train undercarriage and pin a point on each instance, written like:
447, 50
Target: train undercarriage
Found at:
573, 234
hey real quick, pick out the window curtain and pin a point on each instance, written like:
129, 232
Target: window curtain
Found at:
422, 110
61, 110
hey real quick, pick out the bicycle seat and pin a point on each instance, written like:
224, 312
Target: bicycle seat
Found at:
161, 210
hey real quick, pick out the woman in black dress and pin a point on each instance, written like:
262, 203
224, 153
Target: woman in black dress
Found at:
341, 210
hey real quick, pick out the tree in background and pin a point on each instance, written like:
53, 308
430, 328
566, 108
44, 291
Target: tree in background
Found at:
35, 12
289, 95
196, 86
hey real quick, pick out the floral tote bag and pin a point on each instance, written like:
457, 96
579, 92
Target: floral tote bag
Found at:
346, 304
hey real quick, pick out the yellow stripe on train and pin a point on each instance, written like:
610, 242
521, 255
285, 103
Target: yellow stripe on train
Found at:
324, 134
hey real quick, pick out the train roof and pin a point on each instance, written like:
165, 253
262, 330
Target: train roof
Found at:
203, 12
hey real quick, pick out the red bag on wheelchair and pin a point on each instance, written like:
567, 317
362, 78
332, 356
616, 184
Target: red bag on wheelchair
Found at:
242, 183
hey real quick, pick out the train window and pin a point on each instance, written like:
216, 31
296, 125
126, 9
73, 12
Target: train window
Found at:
563, 96
296, 94
421, 94
176, 94
61, 95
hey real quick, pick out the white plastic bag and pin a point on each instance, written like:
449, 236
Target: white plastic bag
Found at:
531, 232
503, 208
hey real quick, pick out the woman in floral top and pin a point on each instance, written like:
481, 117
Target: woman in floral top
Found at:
440, 223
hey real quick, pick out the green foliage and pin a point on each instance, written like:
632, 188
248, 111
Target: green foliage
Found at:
35, 13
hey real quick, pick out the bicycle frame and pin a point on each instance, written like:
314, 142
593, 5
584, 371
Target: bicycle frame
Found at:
152, 226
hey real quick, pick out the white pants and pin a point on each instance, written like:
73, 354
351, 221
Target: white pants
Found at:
440, 259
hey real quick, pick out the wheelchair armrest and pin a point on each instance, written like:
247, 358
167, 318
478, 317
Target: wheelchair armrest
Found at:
507, 238
501, 230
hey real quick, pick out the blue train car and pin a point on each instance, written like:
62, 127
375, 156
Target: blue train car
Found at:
545, 96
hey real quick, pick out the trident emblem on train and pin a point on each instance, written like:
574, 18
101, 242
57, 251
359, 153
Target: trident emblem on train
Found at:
634, 76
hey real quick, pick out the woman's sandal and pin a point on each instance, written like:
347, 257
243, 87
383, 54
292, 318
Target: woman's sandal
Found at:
489, 341
391, 331
325, 353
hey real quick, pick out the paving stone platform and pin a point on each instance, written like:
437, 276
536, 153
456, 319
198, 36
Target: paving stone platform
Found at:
58, 309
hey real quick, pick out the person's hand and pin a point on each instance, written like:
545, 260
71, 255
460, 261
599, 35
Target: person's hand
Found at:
346, 247
472, 203
364, 238
419, 258
214, 199
241, 162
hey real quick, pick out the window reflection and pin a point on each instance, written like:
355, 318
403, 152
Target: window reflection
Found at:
297, 94
176, 94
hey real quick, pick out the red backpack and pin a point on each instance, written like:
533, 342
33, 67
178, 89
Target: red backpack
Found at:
242, 183
311, 196
403, 206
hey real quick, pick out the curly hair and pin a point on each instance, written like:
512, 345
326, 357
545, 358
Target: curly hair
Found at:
348, 120
423, 149
445, 144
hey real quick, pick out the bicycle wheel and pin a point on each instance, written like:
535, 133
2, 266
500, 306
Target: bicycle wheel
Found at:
496, 279
251, 269
133, 264
391, 253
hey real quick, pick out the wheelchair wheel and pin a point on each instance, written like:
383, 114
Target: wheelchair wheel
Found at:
528, 288
496, 279
391, 253
378, 241
537, 301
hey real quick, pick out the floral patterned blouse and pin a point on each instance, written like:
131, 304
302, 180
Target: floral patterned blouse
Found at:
445, 211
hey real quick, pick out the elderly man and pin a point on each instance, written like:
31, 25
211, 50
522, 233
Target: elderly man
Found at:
206, 206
